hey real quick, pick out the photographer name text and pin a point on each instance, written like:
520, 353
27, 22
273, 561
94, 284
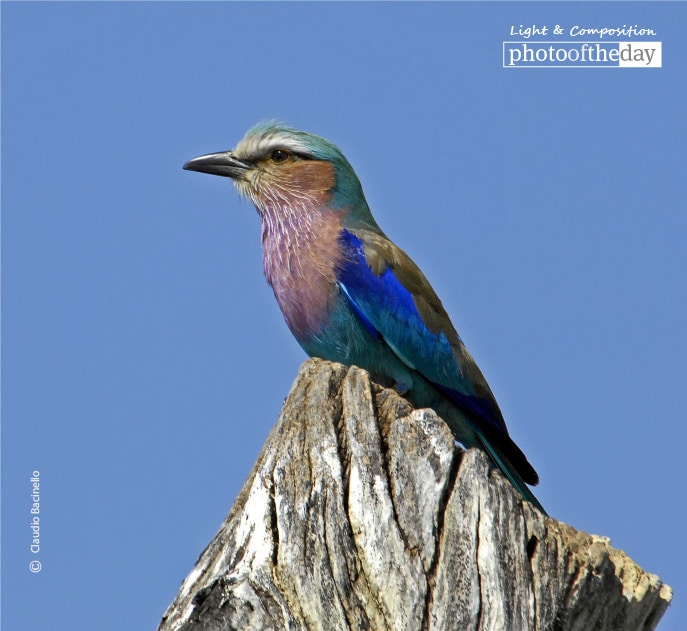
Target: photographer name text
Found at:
35, 547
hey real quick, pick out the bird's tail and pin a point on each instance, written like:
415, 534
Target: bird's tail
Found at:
503, 462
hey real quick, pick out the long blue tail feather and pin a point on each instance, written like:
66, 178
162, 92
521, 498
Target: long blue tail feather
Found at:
508, 470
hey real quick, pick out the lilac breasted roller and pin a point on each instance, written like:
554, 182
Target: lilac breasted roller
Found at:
350, 295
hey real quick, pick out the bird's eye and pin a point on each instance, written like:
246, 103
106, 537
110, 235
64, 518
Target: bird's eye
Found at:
280, 155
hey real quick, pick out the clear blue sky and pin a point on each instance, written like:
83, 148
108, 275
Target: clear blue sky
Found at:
144, 357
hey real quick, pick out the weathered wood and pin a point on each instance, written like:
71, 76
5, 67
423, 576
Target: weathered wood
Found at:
362, 513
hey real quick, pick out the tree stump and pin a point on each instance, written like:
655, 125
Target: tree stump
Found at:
363, 513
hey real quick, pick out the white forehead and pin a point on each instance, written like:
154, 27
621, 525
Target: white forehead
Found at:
255, 146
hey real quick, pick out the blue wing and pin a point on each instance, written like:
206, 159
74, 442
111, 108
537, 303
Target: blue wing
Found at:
396, 303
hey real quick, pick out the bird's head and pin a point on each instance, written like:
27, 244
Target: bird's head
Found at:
282, 169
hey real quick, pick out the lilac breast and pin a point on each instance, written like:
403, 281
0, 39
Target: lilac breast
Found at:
300, 256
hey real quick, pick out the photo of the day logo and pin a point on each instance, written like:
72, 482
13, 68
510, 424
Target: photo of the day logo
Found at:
605, 50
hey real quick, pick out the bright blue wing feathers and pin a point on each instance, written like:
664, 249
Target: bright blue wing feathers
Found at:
388, 309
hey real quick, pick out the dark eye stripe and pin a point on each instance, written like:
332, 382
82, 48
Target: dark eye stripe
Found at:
281, 154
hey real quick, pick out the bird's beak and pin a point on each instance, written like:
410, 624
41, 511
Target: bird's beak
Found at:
224, 163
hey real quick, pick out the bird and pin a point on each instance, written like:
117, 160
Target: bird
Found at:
349, 294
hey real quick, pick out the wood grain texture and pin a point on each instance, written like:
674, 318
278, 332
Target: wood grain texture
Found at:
362, 513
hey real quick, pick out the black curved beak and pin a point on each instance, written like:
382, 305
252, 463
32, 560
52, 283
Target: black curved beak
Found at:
223, 163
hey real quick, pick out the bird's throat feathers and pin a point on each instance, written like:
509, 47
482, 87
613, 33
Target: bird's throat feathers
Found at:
300, 251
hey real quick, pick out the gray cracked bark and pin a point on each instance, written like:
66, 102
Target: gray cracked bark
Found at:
362, 513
